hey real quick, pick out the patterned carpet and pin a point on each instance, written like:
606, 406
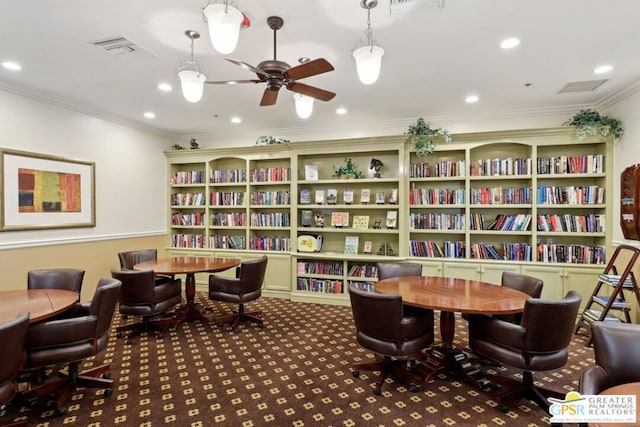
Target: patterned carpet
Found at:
294, 372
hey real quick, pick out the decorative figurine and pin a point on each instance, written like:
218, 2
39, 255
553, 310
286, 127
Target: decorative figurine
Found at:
376, 164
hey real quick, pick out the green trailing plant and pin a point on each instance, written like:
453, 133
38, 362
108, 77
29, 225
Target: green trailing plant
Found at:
590, 122
194, 144
424, 138
348, 170
270, 140
177, 147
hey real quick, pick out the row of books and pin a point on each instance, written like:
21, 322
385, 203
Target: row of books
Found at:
329, 286
319, 267
227, 242
270, 198
442, 169
588, 163
363, 270
193, 218
231, 198
484, 251
516, 252
519, 222
229, 219
570, 254
269, 243
436, 221
618, 303
188, 199
571, 195
271, 219
223, 176
500, 167
192, 241
614, 279
187, 177
592, 315
330, 197
436, 196
500, 196
572, 223
277, 174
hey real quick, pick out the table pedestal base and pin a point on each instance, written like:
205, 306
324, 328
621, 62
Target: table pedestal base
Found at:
191, 310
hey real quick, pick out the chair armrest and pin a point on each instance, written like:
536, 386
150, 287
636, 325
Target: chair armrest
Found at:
60, 332
416, 325
593, 380
498, 331
224, 284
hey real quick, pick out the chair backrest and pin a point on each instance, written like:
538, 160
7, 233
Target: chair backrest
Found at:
617, 349
387, 270
56, 278
549, 323
251, 274
376, 315
104, 303
12, 337
131, 258
523, 283
137, 286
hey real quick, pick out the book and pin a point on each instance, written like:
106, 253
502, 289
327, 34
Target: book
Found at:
392, 219
305, 197
368, 246
351, 245
319, 197
365, 196
361, 221
306, 218
339, 219
380, 197
311, 172
347, 196
393, 196
332, 196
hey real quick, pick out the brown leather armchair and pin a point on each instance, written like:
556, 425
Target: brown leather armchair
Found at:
141, 295
246, 287
130, 258
71, 340
388, 270
12, 337
538, 343
382, 327
56, 278
617, 349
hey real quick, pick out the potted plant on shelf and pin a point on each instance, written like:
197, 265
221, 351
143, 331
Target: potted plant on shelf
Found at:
347, 171
270, 140
423, 137
590, 122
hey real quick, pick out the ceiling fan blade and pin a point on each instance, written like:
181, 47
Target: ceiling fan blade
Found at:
233, 82
314, 92
248, 67
308, 69
269, 97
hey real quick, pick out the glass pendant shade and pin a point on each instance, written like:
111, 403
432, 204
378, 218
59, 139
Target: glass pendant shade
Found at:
192, 82
368, 63
304, 105
224, 26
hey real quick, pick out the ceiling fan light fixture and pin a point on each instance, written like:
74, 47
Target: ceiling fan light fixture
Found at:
367, 52
304, 105
191, 79
224, 23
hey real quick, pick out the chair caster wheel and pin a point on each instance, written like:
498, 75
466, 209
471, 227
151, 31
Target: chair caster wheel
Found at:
377, 391
260, 326
160, 336
106, 375
108, 392
236, 330
504, 408
61, 411
413, 388
129, 341
118, 334
356, 374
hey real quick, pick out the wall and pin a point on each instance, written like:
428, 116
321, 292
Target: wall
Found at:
131, 177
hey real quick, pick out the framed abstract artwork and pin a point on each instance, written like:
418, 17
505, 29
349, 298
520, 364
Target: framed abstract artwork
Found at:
41, 191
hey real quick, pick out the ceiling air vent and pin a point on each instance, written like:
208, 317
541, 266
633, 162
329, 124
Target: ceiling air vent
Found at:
586, 86
401, 7
120, 46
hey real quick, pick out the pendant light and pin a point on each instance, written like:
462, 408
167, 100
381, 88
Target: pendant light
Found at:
224, 23
367, 52
304, 105
191, 79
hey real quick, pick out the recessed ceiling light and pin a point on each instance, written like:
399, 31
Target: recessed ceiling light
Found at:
509, 43
13, 66
471, 99
165, 87
603, 69
236, 120
341, 110
150, 115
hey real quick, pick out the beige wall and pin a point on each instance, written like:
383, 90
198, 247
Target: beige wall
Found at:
96, 258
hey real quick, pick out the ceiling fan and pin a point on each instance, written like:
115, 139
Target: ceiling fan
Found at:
277, 73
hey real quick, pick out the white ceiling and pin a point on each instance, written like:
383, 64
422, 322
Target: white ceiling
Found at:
433, 60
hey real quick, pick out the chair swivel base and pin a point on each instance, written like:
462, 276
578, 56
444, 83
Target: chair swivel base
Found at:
238, 317
68, 382
401, 371
147, 324
507, 390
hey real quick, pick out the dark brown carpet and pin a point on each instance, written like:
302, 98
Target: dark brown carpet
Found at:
294, 372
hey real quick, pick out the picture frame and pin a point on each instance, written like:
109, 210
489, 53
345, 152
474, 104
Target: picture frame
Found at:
40, 191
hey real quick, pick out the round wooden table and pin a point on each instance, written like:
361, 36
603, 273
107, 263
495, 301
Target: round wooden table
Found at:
40, 303
620, 390
189, 265
451, 295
